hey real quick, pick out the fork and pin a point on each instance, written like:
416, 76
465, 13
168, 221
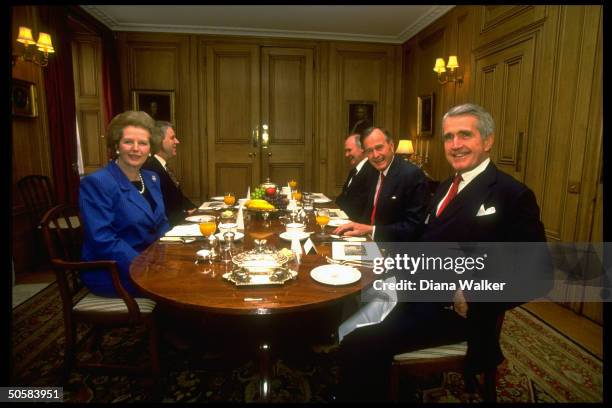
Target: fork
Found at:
350, 262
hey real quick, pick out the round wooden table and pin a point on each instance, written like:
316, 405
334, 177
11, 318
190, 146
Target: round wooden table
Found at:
167, 273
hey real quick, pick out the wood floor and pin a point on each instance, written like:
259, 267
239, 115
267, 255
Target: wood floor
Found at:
580, 329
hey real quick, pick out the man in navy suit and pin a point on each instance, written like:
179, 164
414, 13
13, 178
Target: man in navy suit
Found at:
396, 206
362, 178
177, 205
478, 204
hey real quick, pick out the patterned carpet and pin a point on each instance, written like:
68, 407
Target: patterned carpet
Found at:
542, 366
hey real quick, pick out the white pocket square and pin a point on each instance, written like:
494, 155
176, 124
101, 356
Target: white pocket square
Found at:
482, 212
393, 197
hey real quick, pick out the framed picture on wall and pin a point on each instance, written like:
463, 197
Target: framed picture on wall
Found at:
158, 104
23, 99
361, 115
425, 111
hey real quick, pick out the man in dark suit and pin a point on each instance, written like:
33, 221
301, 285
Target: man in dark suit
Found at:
362, 178
478, 204
177, 205
396, 206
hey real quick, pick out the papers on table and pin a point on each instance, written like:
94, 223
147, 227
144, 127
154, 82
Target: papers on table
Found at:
351, 250
338, 213
190, 230
320, 198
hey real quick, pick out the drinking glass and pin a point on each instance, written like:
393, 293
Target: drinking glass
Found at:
322, 218
292, 184
296, 195
229, 198
265, 215
208, 225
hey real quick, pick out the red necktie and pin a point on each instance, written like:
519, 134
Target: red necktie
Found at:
451, 194
382, 179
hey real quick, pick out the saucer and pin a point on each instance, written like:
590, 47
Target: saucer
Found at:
289, 236
237, 236
335, 274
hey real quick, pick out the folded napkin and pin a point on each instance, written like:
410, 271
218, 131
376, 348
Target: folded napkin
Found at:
211, 204
190, 230
373, 312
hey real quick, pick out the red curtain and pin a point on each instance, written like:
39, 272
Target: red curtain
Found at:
110, 77
61, 111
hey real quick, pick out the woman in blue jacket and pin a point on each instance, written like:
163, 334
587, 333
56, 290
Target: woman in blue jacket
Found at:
121, 205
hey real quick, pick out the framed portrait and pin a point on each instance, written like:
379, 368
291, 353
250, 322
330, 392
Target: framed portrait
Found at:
361, 115
425, 111
158, 104
23, 99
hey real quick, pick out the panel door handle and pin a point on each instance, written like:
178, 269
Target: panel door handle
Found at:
519, 153
252, 155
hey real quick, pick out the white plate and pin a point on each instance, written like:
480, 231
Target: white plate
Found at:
197, 218
321, 200
217, 198
335, 274
293, 235
336, 222
237, 236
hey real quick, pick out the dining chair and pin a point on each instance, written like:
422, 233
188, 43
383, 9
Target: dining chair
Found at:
38, 196
448, 357
63, 235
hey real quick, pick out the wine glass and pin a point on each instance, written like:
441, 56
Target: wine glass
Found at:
208, 225
229, 198
322, 218
292, 184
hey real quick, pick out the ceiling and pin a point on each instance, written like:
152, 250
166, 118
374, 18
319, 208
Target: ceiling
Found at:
392, 24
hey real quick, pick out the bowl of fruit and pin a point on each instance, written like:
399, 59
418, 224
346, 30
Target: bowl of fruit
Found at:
267, 194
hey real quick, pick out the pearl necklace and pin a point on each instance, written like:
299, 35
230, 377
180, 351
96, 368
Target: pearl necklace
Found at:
142, 189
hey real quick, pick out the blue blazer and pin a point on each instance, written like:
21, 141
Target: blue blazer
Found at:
118, 223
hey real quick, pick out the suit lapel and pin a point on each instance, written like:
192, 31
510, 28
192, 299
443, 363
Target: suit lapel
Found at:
129, 190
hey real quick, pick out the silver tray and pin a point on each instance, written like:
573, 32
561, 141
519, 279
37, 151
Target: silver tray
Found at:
260, 261
277, 276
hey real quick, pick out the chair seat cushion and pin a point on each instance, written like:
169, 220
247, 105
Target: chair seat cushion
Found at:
94, 303
447, 350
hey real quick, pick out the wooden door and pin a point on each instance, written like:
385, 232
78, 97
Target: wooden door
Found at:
233, 114
87, 65
287, 110
503, 79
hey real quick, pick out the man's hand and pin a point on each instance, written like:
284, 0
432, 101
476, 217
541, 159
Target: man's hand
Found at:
460, 304
189, 212
353, 229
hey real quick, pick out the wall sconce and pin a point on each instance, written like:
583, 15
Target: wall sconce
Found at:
451, 75
405, 149
44, 46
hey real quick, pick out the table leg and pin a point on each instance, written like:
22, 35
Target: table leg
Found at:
265, 382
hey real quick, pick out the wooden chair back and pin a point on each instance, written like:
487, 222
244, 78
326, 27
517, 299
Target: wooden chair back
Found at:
38, 196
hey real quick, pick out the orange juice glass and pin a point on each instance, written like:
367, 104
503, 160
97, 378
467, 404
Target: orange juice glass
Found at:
208, 226
229, 199
292, 184
296, 195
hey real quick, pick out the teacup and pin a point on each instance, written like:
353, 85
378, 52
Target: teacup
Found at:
295, 227
228, 227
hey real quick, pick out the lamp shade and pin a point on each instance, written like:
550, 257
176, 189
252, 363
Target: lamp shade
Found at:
439, 67
25, 36
452, 62
44, 43
405, 147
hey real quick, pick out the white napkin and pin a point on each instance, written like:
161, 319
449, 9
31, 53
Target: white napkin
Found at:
288, 191
248, 197
190, 230
373, 312
296, 247
240, 218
